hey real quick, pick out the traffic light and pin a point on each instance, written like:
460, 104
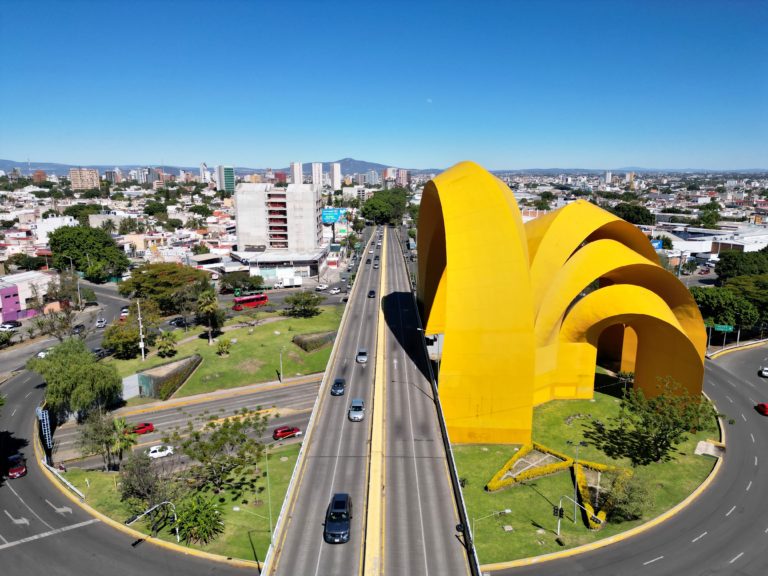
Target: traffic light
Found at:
557, 512
560, 513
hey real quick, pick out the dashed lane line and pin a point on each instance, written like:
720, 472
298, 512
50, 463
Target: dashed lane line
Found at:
749, 485
736, 557
46, 534
699, 537
730, 511
652, 561
752, 436
743, 417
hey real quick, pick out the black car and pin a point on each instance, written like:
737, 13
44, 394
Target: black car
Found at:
338, 387
371, 293
78, 329
100, 353
367, 260
179, 322
338, 519
12, 324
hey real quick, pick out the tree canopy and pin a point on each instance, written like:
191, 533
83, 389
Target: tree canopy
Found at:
92, 250
732, 263
76, 382
386, 206
633, 213
723, 306
303, 304
163, 283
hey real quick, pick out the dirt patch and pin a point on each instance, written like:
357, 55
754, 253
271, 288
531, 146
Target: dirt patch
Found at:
250, 366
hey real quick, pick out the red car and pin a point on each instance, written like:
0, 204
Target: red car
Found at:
762, 408
17, 467
143, 428
285, 432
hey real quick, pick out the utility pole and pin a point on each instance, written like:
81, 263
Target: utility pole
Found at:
141, 331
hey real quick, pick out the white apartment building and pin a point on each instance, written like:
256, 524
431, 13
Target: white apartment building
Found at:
317, 174
270, 218
336, 176
44, 226
297, 173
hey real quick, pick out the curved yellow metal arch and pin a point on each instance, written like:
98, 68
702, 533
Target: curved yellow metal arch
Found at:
486, 374
505, 296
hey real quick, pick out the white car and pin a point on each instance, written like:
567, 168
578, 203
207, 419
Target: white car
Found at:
334, 291
44, 353
370, 251
101, 323
362, 356
160, 451
321, 287
763, 371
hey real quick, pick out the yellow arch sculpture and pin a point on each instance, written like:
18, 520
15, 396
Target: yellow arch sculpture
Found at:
511, 301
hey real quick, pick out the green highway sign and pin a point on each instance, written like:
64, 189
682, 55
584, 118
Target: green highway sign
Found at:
723, 328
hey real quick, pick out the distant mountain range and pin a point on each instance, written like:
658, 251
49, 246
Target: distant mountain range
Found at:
348, 166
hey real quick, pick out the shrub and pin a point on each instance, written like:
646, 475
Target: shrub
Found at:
166, 385
310, 342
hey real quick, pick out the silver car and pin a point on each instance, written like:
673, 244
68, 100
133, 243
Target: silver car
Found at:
362, 356
356, 410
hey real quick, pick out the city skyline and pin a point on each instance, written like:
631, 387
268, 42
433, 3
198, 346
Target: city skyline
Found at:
510, 85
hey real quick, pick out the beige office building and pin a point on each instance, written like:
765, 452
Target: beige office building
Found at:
84, 178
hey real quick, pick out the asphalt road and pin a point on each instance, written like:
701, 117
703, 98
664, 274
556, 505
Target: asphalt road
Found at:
420, 536
337, 451
725, 531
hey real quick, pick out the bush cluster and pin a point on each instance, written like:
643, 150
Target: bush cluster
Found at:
310, 342
165, 386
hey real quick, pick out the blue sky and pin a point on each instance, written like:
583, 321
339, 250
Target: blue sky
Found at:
509, 84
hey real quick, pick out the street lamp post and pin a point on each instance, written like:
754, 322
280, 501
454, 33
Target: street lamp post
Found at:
136, 517
496, 513
575, 483
281, 364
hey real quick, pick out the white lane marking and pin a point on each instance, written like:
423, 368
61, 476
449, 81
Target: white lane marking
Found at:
28, 393
729, 398
14, 412
652, 561
736, 558
28, 508
730, 511
19, 520
63, 510
749, 485
699, 537
49, 533
755, 460
743, 417
752, 436
3, 539
766, 531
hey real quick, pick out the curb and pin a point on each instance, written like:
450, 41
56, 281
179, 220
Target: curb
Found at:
624, 535
715, 355
130, 531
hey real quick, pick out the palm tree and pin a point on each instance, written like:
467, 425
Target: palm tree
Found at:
166, 344
123, 438
207, 307
108, 226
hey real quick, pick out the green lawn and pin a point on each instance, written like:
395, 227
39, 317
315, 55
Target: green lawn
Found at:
531, 502
254, 358
246, 532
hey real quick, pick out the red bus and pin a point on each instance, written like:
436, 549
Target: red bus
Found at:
252, 301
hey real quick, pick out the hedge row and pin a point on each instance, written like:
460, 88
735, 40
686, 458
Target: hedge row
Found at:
310, 342
581, 482
499, 481
165, 386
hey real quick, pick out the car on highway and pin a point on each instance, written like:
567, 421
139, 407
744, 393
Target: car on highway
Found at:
10, 326
762, 408
17, 466
78, 329
141, 428
367, 260
321, 287
362, 356
375, 265
334, 291
44, 353
376, 257
338, 519
370, 251
356, 410
160, 451
763, 371
338, 387
284, 432
372, 293
101, 323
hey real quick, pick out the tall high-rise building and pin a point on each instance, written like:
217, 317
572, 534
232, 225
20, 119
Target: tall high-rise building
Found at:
39, 177
361, 179
297, 173
373, 178
336, 176
274, 218
84, 178
390, 173
203, 172
402, 177
608, 177
225, 178
317, 174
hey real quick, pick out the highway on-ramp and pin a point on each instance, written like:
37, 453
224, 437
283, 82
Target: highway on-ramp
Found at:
724, 531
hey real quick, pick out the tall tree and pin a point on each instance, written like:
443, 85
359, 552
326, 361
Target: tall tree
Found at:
163, 283
91, 250
722, 306
207, 309
633, 213
303, 304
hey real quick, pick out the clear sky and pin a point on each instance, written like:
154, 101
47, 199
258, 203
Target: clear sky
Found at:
509, 84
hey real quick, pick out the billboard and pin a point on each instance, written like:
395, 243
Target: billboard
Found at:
332, 215
657, 244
